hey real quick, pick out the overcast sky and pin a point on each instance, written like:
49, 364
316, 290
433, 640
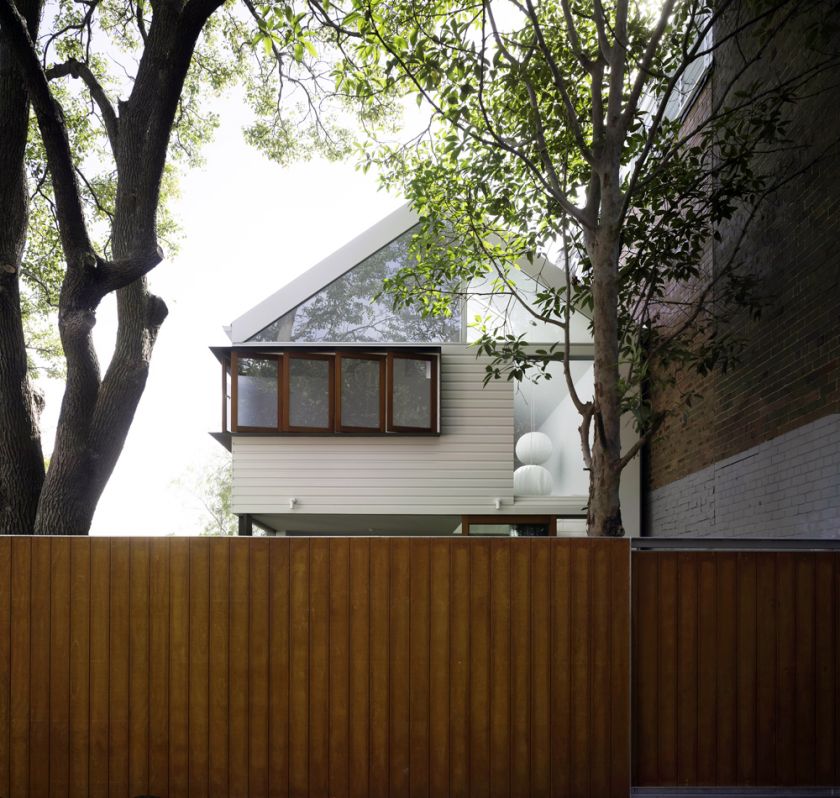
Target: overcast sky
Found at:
249, 227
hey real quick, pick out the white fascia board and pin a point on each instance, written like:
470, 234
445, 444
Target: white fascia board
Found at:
322, 274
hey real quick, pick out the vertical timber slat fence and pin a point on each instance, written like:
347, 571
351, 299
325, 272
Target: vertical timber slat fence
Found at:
736, 668
317, 666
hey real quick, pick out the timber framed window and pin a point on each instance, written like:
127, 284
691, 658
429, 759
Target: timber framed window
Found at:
527, 526
255, 394
342, 392
309, 393
412, 391
360, 394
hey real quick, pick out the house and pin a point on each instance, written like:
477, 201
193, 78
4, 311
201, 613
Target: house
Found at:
346, 417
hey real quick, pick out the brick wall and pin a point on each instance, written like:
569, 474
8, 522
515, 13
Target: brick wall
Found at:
789, 374
785, 487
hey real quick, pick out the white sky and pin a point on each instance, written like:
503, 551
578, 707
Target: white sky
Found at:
248, 228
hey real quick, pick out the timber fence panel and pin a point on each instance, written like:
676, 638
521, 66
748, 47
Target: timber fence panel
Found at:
735, 668
317, 666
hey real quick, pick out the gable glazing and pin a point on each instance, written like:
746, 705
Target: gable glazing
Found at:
349, 310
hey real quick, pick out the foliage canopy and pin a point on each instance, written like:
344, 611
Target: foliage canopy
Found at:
583, 131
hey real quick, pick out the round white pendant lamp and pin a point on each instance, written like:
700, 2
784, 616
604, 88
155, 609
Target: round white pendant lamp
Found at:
534, 448
531, 480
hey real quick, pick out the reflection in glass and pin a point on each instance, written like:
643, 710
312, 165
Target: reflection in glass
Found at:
309, 393
533, 529
360, 393
490, 529
412, 395
256, 388
546, 407
353, 308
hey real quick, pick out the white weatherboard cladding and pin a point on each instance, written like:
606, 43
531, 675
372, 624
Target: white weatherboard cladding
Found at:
462, 471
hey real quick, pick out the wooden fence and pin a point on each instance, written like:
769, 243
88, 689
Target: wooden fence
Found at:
736, 668
310, 667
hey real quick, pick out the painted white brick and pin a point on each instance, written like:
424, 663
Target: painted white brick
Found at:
786, 487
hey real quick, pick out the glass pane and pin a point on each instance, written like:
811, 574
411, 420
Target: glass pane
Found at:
490, 529
412, 393
256, 392
529, 530
309, 393
523, 530
360, 393
501, 313
547, 455
352, 308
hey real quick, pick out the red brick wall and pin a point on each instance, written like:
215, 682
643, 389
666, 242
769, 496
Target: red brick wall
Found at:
789, 373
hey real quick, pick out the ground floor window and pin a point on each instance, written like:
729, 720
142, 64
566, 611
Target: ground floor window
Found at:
525, 526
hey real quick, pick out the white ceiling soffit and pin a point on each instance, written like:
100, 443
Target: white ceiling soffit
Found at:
343, 260
322, 274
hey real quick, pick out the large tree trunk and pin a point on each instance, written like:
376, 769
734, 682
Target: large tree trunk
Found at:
96, 414
21, 458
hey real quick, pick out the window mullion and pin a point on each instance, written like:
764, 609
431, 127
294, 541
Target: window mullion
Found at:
234, 392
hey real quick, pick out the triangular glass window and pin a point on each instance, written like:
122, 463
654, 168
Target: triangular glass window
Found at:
345, 310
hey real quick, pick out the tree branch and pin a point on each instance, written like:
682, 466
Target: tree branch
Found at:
643, 66
643, 439
73, 229
141, 23
580, 406
79, 70
574, 39
601, 28
559, 83
113, 275
583, 429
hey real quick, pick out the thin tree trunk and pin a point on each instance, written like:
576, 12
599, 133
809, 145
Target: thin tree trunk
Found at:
21, 458
604, 513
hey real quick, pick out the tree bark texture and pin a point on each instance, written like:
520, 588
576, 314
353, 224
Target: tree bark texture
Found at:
603, 245
21, 458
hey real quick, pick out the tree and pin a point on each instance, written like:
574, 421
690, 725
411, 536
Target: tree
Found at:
553, 123
94, 236
21, 459
212, 485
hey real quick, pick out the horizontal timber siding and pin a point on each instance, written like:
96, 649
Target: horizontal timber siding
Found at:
314, 667
462, 471
736, 668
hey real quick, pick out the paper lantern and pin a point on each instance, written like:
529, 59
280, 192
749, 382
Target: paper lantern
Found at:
531, 480
534, 448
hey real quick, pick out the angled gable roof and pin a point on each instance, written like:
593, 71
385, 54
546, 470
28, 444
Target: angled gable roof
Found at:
343, 260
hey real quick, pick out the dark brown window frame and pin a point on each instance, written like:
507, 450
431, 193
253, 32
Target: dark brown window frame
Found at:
333, 357
548, 520
288, 357
433, 391
225, 361
234, 392
383, 379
